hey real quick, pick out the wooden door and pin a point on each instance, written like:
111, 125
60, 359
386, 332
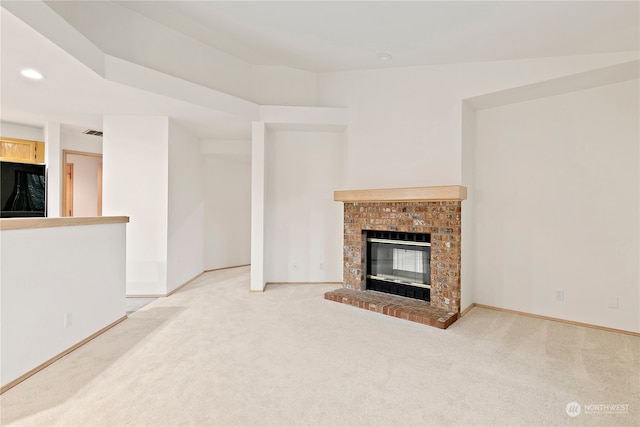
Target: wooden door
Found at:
67, 208
84, 200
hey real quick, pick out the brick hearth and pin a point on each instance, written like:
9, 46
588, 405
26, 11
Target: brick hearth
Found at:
433, 210
391, 305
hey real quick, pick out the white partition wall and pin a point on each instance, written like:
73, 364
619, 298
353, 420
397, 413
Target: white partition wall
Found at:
185, 239
135, 184
77, 289
153, 174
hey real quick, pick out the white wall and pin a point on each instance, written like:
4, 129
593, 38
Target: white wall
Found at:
185, 244
74, 140
405, 123
14, 130
80, 270
271, 85
557, 206
467, 267
85, 184
303, 225
53, 159
227, 187
135, 184
153, 173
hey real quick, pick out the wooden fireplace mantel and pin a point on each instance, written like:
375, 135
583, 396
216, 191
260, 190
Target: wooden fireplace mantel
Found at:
414, 194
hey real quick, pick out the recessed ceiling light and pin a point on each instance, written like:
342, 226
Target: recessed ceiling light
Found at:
384, 56
31, 74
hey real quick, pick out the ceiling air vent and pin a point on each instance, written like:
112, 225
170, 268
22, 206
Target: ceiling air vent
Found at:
92, 132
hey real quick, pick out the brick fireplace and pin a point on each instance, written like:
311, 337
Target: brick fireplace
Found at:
430, 210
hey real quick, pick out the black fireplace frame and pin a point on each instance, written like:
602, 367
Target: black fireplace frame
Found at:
422, 292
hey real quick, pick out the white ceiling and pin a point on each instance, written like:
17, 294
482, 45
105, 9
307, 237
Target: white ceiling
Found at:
74, 95
316, 36
346, 35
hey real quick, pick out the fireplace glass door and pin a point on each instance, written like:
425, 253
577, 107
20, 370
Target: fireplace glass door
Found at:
399, 263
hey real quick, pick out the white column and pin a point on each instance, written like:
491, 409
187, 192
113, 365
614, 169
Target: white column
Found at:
258, 135
467, 244
185, 220
55, 168
135, 184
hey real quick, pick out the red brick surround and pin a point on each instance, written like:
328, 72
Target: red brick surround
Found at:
439, 218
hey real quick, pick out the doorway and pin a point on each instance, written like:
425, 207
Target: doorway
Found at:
82, 189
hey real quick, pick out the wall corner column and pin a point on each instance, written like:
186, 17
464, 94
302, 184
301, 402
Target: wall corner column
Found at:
53, 160
467, 177
258, 135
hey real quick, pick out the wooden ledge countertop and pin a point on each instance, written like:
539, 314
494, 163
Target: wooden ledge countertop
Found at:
414, 194
26, 223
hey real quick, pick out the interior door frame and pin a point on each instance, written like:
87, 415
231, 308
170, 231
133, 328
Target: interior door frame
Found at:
65, 154
67, 198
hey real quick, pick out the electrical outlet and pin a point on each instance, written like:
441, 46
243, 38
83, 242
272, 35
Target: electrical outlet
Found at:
67, 320
321, 266
559, 294
613, 302
295, 266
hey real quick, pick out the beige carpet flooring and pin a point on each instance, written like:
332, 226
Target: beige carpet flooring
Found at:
215, 354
